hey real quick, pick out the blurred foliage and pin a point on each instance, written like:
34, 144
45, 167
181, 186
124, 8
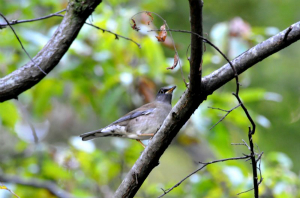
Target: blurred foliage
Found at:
101, 78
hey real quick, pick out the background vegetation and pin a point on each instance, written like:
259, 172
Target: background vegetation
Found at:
101, 78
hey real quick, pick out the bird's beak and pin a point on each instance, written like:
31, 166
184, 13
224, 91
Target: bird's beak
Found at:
171, 90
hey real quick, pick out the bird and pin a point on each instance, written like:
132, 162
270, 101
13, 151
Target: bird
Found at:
141, 123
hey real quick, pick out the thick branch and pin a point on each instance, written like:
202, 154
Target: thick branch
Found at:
27, 76
37, 183
218, 78
196, 46
182, 111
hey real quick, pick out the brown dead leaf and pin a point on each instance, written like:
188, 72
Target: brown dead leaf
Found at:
175, 62
162, 34
133, 26
149, 14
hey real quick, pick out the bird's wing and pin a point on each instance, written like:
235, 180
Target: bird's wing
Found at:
143, 110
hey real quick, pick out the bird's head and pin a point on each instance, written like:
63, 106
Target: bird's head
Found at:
165, 94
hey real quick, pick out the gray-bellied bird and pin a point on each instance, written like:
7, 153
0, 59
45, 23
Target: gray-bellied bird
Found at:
141, 123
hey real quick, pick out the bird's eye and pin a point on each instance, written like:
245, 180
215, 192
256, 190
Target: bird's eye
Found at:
161, 91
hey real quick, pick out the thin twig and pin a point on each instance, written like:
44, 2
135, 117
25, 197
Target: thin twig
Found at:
246, 144
245, 191
21, 44
5, 188
237, 144
259, 157
228, 111
246, 112
15, 22
204, 165
116, 35
259, 168
219, 109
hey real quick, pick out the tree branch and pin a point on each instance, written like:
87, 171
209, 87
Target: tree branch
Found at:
37, 183
188, 102
218, 78
27, 76
196, 46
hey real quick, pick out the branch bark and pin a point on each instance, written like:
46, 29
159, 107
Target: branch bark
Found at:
189, 102
29, 75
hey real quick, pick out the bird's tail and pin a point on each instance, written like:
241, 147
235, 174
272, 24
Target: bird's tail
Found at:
93, 134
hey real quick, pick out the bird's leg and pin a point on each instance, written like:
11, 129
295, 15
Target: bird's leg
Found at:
139, 141
147, 135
